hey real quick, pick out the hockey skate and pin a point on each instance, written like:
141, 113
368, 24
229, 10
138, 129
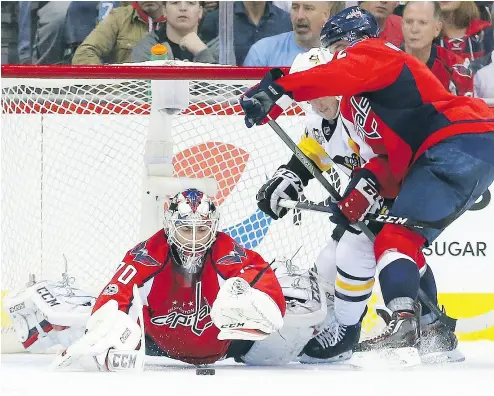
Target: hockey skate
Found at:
334, 343
438, 344
398, 343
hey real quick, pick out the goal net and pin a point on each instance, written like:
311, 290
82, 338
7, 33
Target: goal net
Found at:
72, 167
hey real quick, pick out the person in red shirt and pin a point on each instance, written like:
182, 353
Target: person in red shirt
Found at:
389, 23
465, 34
421, 25
428, 148
200, 289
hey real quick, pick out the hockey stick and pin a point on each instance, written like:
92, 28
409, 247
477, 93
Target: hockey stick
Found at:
383, 219
467, 325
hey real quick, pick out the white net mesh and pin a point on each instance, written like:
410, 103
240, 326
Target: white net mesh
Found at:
72, 166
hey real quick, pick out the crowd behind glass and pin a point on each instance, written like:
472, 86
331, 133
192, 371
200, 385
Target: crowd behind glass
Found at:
243, 33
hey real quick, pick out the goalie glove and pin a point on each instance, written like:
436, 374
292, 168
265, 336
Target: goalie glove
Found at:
244, 313
109, 343
284, 184
48, 315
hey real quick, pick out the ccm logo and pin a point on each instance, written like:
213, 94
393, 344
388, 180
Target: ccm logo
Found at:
17, 307
47, 296
392, 219
232, 325
121, 361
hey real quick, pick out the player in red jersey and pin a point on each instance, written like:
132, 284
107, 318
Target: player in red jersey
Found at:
199, 288
431, 149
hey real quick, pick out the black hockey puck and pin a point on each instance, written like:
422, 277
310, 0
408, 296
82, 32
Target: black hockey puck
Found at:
205, 371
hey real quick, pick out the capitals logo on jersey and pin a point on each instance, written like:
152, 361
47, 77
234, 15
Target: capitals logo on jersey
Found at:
364, 126
193, 314
236, 256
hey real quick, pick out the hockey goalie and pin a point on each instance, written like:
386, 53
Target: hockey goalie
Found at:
203, 296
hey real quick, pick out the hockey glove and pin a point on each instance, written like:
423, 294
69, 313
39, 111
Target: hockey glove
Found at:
265, 101
284, 184
360, 195
244, 313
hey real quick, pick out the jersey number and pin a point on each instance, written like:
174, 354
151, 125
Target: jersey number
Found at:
341, 54
127, 274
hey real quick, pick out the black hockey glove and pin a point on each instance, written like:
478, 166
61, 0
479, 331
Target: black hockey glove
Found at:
284, 184
265, 101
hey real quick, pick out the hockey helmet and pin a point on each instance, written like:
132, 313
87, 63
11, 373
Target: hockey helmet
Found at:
191, 224
352, 24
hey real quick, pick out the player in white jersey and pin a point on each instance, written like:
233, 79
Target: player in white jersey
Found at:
347, 261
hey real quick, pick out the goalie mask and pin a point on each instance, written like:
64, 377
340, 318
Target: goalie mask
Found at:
191, 224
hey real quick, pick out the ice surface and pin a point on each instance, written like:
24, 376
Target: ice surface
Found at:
25, 374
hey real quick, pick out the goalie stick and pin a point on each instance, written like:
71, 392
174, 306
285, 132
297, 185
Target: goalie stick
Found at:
466, 325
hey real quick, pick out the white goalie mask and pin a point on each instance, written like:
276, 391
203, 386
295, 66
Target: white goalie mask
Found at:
328, 107
191, 224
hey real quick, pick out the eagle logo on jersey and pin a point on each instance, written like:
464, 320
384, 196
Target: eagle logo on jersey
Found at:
234, 257
462, 70
141, 255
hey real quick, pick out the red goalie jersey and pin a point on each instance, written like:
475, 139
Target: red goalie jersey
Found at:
176, 310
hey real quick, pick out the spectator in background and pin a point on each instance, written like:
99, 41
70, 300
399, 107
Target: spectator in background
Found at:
465, 33
389, 24
308, 18
10, 31
104, 8
421, 25
484, 81
179, 35
79, 23
40, 39
253, 20
484, 8
115, 37
210, 6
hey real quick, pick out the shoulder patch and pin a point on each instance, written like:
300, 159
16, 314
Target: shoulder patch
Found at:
141, 255
235, 256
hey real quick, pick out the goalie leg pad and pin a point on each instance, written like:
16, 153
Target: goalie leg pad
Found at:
48, 315
279, 348
108, 328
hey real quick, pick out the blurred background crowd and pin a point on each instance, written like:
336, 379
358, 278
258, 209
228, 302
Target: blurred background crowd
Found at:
454, 38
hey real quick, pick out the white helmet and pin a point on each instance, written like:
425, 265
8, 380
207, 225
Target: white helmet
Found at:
308, 60
313, 57
191, 224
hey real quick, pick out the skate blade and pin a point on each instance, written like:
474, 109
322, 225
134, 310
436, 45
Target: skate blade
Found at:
387, 358
443, 357
335, 359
